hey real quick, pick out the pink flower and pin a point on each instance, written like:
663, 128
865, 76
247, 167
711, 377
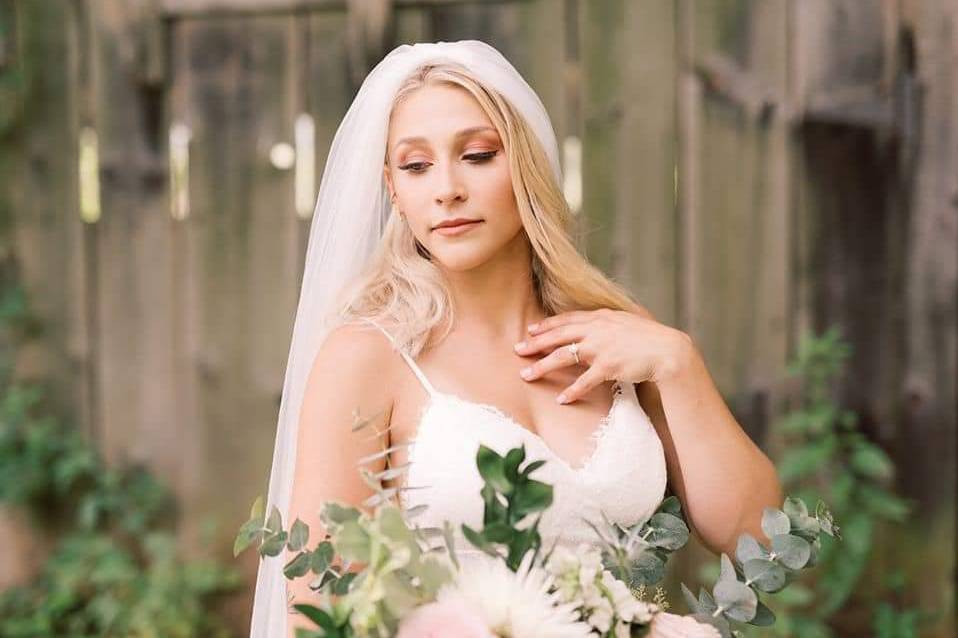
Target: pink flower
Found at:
666, 625
442, 619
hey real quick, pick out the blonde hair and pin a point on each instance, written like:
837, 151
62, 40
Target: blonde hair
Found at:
404, 289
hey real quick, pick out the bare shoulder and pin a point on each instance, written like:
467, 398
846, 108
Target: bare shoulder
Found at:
355, 366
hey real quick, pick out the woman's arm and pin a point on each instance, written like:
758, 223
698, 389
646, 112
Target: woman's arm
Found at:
722, 478
348, 374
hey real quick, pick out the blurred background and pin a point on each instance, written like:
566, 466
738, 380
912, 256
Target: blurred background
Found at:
779, 178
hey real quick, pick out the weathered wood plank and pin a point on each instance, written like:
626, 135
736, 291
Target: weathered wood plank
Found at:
235, 287
629, 101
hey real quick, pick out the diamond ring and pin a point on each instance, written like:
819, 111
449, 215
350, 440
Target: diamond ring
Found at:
574, 349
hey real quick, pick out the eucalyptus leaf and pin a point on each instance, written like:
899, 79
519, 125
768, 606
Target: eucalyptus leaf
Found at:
258, 509
321, 557
690, 599
764, 574
727, 569
792, 551
298, 566
736, 600
251, 531
275, 522
298, 536
749, 548
764, 617
775, 522
668, 531
273, 545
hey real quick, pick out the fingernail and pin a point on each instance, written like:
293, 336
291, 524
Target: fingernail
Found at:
532, 326
561, 398
520, 345
526, 373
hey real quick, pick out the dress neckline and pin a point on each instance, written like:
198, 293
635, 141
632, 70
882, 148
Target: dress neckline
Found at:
597, 435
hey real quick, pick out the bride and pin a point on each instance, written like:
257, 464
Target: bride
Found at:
443, 296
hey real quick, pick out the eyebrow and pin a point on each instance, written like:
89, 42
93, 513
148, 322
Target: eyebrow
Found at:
463, 133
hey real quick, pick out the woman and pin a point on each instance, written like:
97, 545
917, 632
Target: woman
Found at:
470, 317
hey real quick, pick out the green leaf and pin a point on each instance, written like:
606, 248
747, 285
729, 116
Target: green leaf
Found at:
532, 497
870, 460
498, 533
492, 470
764, 617
727, 569
514, 458
318, 616
668, 531
322, 557
764, 574
532, 467
335, 514
250, 531
273, 545
353, 542
275, 522
298, 566
343, 583
257, 510
298, 536
737, 601
671, 505
749, 548
775, 522
790, 550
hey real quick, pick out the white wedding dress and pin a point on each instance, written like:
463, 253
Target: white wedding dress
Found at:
624, 476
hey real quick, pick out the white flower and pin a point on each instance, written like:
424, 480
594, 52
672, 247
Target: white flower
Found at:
514, 604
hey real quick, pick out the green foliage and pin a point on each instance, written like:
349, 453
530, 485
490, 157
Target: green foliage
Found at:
114, 569
397, 575
509, 498
826, 454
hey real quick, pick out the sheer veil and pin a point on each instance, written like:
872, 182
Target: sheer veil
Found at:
351, 210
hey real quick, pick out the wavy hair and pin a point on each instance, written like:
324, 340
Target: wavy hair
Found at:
403, 288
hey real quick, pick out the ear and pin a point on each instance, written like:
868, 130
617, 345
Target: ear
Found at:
387, 176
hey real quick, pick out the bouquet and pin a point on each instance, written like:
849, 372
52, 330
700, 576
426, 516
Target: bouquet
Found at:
379, 575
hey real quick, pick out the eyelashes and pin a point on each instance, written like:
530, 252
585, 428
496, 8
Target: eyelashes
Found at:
475, 158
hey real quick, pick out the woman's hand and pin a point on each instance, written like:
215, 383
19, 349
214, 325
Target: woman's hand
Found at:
613, 344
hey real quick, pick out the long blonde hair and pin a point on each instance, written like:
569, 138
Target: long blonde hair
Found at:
404, 289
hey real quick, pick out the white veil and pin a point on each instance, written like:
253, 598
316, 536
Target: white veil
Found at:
351, 211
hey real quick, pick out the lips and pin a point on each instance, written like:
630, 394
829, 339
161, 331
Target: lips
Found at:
459, 221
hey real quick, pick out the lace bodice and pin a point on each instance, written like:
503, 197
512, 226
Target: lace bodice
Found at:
623, 477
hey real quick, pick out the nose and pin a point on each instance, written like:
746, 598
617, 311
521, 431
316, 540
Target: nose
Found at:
450, 186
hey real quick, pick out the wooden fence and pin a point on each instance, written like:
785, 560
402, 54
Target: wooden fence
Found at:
753, 170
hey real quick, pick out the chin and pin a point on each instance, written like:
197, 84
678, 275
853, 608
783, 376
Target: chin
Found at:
463, 258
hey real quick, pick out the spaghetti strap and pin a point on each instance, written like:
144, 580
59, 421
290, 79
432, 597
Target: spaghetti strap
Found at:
412, 364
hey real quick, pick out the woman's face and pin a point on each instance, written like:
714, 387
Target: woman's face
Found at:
445, 162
